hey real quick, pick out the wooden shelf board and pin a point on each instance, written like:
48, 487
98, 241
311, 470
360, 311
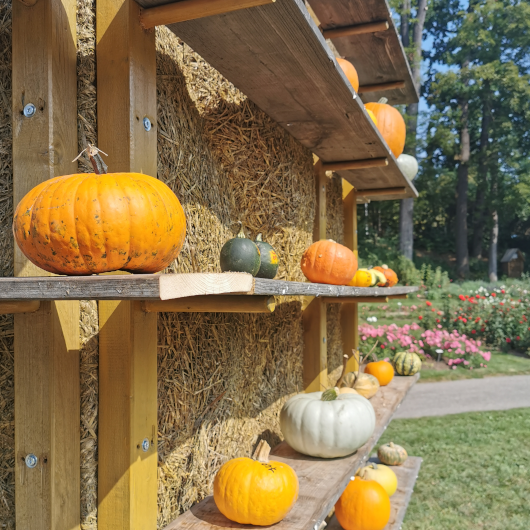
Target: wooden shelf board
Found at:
321, 481
276, 55
406, 475
171, 286
378, 57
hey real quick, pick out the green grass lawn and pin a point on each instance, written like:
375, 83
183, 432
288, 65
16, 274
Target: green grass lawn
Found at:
475, 473
499, 364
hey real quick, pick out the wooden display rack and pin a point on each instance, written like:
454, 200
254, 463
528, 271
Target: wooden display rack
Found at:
306, 92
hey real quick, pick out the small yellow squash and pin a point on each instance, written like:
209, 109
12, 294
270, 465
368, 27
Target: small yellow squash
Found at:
347, 390
365, 384
363, 278
382, 474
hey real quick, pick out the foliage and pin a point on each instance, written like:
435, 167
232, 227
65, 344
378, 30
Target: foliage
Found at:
475, 471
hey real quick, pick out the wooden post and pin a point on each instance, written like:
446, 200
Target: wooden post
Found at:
126, 92
47, 432
349, 313
314, 316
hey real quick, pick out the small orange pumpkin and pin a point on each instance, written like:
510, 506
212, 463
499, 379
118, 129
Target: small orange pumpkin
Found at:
390, 275
90, 223
350, 72
329, 262
383, 371
391, 125
255, 490
364, 505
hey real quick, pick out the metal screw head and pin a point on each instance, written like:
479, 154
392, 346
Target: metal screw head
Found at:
31, 460
146, 445
147, 124
29, 110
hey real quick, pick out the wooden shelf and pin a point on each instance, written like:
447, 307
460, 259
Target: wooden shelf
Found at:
378, 57
171, 286
321, 481
276, 55
406, 475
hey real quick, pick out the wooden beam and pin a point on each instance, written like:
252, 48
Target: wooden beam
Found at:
213, 304
13, 307
362, 299
319, 230
192, 9
381, 191
44, 113
391, 85
127, 442
355, 164
358, 29
315, 346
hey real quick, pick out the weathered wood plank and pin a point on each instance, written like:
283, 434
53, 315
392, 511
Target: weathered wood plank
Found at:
378, 57
169, 286
12, 307
321, 481
406, 475
212, 304
315, 346
277, 56
44, 113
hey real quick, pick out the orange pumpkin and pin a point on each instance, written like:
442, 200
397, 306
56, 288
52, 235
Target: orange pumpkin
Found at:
255, 491
391, 125
364, 505
383, 371
92, 223
390, 275
329, 262
350, 72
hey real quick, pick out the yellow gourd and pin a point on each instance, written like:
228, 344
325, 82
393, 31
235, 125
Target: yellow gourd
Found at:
381, 474
347, 390
365, 384
363, 278
372, 115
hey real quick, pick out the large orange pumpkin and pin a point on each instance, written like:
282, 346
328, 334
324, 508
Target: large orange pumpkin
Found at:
92, 223
390, 275
255, 491
329, 262
350, 72
364, 505
391, 125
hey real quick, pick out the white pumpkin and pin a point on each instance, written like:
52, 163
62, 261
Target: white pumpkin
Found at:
327, 429
408, 165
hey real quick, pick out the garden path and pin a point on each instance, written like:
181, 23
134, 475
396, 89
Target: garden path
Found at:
468, 395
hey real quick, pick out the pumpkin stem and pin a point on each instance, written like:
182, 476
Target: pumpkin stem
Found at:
241, 234
344, 363
384, 267
262, 452
100, 168
258, 237
383, 101
331, 394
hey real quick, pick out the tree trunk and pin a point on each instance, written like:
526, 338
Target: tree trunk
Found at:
492, 265
406, 210
482, 180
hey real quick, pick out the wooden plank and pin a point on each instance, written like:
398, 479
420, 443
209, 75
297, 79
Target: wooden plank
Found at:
191, 9
315, 346
319, 229
127, 471
380, 87
280, 60
358, 29
362, 300
169, 286
356, 164
13, 307
406, 475
46, 341
378, 57
213, 304
127, 131
321, 481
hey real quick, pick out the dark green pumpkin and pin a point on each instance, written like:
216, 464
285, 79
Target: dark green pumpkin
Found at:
240, 255
269, 259
407, 363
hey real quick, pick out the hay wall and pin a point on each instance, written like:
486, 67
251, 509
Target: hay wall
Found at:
222, 378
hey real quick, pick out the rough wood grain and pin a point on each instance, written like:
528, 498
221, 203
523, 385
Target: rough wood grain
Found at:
406, 475
276, 55
28, 306
46, 341
212, 304
378, 57
358, 29
315, 362
321, 481
191, 9
319, 228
